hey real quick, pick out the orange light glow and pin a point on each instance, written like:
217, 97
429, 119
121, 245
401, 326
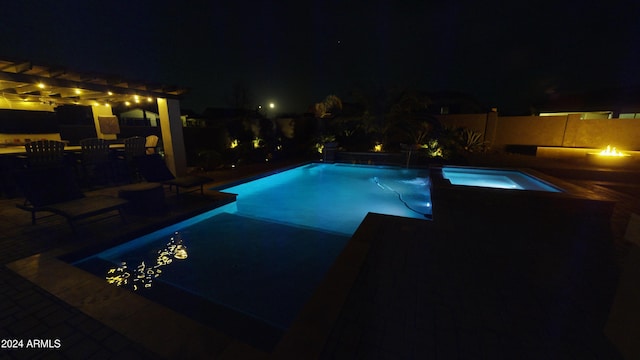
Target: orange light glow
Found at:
610, 151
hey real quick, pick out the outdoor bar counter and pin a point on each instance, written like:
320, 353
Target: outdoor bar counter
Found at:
19, 149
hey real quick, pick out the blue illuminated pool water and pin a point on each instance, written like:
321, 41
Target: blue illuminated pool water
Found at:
334, 197
259, 259
495, 178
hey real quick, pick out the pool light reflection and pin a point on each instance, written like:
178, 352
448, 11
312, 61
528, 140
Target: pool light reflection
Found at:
144, 274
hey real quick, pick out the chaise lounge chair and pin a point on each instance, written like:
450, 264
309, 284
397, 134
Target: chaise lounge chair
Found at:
54, 190
154, 169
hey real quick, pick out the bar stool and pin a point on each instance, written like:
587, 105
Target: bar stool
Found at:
134, 147
96, 161
44, 153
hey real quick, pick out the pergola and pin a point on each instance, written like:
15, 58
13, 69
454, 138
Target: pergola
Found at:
27, 86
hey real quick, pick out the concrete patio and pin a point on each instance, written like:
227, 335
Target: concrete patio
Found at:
531, 286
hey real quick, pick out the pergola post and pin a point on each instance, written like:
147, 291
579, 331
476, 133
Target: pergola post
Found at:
172, 138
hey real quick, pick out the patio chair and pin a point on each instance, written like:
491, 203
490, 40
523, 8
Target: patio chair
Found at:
133, 148
96, 161
44, 153
54, 190
154, 169
151, 144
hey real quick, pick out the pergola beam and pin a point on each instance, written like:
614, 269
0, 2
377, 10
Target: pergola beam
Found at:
32, 80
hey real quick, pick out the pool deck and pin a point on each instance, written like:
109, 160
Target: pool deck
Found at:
522, 286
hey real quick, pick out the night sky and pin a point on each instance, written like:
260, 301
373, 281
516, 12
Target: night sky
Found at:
295, 53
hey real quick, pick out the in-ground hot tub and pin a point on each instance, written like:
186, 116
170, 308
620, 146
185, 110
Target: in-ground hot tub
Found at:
475, 193
496, 178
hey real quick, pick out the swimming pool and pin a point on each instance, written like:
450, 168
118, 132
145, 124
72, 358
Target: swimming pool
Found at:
258, 260
248, 267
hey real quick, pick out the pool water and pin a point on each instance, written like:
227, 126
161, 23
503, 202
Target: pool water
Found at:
335, 197
495, 178
258, 260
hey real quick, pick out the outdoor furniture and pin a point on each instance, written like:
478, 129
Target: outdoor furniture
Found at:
133, 148
154, 169
144, 198
54, 190
96, 161
94, 150
151, 144
44, 153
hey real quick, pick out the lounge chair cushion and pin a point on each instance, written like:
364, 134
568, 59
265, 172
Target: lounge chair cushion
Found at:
188, 181
154, 169
85, 207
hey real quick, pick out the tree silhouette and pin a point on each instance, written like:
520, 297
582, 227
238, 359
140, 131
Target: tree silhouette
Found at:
329, 108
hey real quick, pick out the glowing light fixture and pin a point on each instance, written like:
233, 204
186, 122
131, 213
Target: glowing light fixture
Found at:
377, 147
41, 85
234, 144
